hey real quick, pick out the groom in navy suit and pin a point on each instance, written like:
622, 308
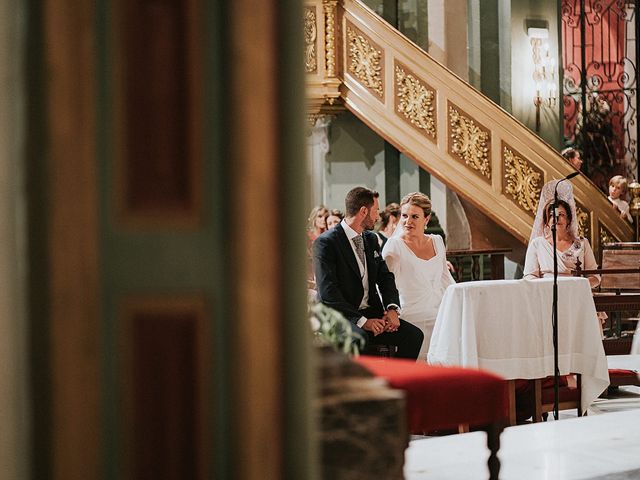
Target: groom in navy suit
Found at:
350, 271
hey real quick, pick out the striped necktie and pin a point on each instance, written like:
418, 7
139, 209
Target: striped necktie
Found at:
359, 243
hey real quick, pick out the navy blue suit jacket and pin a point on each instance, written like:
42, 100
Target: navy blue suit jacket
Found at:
338, 276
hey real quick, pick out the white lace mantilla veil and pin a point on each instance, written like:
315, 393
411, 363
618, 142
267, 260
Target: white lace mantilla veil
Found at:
565, 192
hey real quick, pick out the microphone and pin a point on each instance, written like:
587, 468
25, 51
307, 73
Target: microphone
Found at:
554, 307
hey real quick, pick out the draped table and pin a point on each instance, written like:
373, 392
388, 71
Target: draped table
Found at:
504, 326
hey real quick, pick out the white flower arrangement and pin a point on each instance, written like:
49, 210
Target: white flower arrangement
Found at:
330, 327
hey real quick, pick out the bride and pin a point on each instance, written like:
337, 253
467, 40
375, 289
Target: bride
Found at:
419, 264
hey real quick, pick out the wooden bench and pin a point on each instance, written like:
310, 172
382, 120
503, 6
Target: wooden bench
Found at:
448, 398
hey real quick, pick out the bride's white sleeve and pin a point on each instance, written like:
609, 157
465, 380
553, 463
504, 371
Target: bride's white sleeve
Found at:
390, 255
447, 278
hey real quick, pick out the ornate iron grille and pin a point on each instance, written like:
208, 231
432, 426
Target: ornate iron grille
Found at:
600, 53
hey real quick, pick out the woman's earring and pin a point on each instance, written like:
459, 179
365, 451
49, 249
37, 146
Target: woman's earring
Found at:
547, 230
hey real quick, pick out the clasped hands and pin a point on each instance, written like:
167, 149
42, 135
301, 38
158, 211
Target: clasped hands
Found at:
389, 323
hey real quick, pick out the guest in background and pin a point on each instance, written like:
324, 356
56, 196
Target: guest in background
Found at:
389, 219
334, 218
316, 225
617, 190
317, 222
419, 264
571, 247
573, 157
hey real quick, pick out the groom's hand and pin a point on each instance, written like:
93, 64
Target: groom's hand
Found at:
391, 320
374, 325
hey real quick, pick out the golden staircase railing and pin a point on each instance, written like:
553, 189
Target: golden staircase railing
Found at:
355, 60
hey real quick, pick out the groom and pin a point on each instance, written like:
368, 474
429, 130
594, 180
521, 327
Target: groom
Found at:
350, 270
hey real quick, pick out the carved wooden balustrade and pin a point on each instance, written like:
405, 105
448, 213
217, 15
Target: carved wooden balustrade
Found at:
486, 264
355, 60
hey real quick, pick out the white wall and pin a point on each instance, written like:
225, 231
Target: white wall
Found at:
522, 84
356, 157
448, 34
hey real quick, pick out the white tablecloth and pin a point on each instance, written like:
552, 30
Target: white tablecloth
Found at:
505, 326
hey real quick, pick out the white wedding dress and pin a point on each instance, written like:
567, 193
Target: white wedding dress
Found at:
421, 283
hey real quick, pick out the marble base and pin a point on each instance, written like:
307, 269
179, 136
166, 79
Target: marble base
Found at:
363, 428
581, 448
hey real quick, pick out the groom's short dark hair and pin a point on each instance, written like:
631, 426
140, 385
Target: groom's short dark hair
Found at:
357, 198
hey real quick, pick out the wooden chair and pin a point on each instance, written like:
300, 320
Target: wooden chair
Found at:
568, 397
387, 351
619, 377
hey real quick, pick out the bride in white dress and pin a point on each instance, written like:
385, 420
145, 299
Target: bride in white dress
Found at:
419, 264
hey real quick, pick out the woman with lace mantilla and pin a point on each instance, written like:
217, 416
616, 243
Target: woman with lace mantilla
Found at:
571, 247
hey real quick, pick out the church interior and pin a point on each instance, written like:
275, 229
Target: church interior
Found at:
158, 163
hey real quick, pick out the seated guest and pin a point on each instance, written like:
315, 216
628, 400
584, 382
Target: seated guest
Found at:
350, 271
570, 246
573, 157
419, 263
316, 224
618, 189
389, 219
334, 218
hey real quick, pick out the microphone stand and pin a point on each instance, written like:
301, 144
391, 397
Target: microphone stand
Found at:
554, 307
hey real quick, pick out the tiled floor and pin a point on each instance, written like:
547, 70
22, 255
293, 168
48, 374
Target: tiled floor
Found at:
603, 445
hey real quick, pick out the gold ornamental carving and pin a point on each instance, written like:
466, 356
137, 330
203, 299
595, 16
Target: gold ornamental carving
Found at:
584, 227
415, 101
312, 118
605, 237
365, 61
469, 142
330, 7
523, 182
310, 37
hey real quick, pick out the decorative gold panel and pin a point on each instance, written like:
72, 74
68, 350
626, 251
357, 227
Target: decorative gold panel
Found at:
415, 101
469, 141
606, 237
365, 60
584, 223
310, 40
522, 181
